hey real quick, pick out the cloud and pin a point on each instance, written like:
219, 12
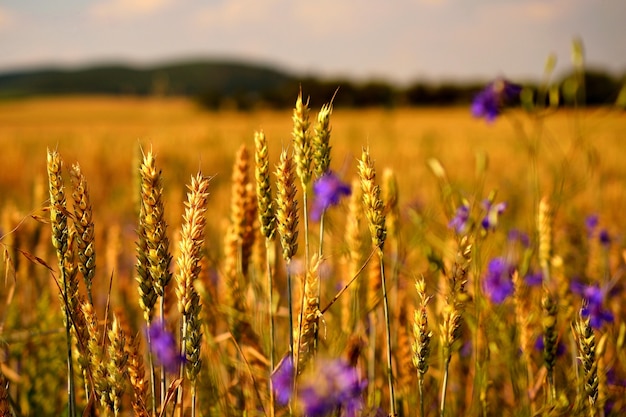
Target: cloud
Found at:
124, 9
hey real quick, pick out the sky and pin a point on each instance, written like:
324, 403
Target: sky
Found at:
395, 40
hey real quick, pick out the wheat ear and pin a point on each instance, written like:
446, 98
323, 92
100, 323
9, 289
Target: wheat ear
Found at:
586, 341
84, 228
287, 225
267, 222
60, 241
374, 211
421, 338
189, 265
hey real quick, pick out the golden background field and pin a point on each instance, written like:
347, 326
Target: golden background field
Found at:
583, 148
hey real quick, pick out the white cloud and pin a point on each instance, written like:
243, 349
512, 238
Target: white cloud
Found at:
123, 9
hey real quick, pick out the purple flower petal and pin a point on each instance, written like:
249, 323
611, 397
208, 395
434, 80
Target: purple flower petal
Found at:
459, 222
328, 190
163, 346
498, 282
490, 102
282, 380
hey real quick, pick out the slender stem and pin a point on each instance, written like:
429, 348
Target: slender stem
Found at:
163, 376
392, 395
194, 395
152, 372
420, 387
71, 391
320, 253
270, 312
292, 347
444, 387
371, 366
181, 387
306, 227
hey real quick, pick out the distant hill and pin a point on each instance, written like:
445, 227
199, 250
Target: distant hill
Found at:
193, 78
227, 84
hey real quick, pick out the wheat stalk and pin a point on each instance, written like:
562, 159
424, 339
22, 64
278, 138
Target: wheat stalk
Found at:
192, 239
374, 211
60, 241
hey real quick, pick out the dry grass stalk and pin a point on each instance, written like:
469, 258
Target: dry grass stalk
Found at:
321, 141
84, 227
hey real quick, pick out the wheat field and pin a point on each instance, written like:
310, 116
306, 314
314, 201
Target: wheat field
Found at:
417, 330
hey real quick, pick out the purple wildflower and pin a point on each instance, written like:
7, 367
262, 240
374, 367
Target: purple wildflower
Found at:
516, 235
605, 238
334, 385
491, 100
459, 222
163, 346
328, 190
533, 279
593, 305
591, 222
594, 308
498, 281
493, 212
282, 379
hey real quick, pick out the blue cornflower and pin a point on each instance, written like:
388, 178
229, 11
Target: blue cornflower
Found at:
605, 238
460, 221
333, 385
163, 346
491, 100
328, 190
533, 279
591, 222
282, 379
498, 281
593, 306
493, 212
516, 235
